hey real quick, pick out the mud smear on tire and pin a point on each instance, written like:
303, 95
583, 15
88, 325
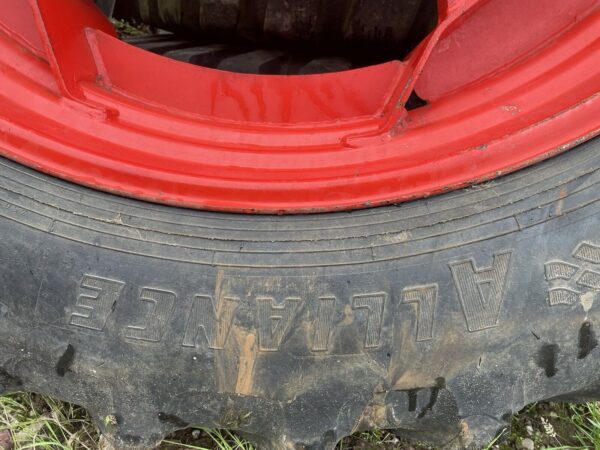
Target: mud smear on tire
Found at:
546, 359
65, 361
587, 340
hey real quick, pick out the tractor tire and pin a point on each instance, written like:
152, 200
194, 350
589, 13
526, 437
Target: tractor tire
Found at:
437, 318
348, 24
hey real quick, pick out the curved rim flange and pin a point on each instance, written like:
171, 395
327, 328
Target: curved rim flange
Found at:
72, 106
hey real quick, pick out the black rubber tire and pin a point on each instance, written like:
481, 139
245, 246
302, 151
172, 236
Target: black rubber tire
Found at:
346, 24
438, 318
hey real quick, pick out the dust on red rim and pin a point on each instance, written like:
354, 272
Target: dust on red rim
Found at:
507, 84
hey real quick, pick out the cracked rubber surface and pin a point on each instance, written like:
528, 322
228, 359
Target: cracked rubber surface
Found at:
437, 318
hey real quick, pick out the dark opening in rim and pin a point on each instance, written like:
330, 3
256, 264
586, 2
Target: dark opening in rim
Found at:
274, 37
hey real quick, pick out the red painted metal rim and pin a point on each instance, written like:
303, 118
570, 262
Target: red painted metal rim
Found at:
504, 91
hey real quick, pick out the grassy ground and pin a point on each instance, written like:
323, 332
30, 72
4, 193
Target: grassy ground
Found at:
30, 421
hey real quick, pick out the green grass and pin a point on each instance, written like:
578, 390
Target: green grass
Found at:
38, 422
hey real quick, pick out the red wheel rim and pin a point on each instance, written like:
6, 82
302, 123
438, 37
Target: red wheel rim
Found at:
508, 83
